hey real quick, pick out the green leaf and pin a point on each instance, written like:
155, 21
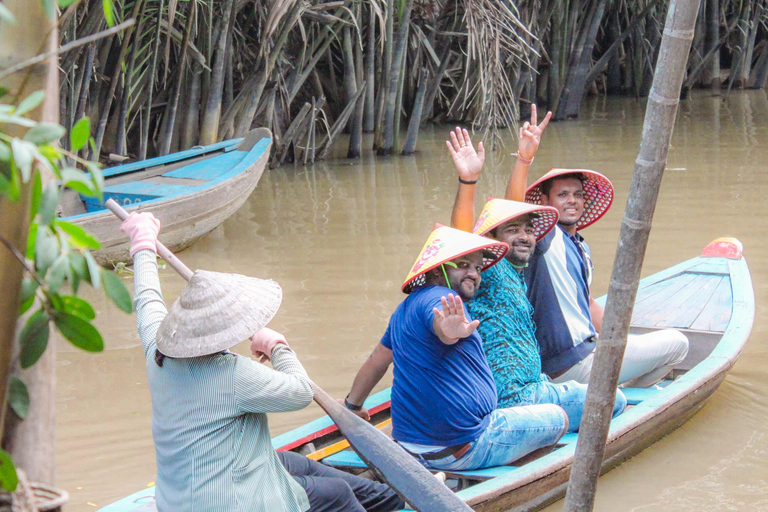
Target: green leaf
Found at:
6, 16
34, 338
94, 274
17, 120
30, 102
45, 133
23, 155
109, 13
65, 3
28, 288
80, 133
116, 290
78, 235
48, 204
98, 178
46, 250
79, 332
5, 152
58, 272
79, 265
32, 241
37, 192
18, 397
78, 181
78, 307
8, 477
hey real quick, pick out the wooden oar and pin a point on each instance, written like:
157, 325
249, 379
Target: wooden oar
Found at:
399, 469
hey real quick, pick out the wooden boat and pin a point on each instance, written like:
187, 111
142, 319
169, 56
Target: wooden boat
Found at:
709, 298
191, 192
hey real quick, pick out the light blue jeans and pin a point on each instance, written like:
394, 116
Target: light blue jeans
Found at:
570, 396
511, 434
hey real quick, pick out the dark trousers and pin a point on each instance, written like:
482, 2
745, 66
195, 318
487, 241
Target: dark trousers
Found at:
332, 490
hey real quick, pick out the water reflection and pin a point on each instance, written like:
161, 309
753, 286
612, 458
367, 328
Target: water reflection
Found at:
340, 237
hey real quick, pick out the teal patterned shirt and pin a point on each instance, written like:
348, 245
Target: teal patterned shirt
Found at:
508, 332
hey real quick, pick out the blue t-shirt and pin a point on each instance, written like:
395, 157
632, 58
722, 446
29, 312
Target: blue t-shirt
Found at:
558, 290
441, 394
508, 333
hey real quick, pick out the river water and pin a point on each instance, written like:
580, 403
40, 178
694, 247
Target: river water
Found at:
340, 237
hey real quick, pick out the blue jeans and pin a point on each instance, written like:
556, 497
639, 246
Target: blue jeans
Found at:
570, 396
511, 434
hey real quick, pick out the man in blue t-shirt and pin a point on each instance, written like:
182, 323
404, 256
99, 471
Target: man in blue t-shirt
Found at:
444, 406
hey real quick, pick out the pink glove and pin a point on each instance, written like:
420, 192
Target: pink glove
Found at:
142, 228
264, 341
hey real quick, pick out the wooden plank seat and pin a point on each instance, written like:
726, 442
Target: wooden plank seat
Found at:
208, 169
348, 459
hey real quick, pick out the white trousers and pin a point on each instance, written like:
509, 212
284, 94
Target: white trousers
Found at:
647, 359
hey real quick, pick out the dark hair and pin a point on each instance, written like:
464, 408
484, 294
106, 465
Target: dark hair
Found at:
159, 358
546, 186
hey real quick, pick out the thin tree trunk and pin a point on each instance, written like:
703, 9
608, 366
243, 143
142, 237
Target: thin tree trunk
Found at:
192, 116
760, 71
209, 126
384, 83
633, 239
144, 138
350, 84
173, 101
370, 71
413, 125
106, 107
711, 76
575, 83
391, 115
120, 142
33, 443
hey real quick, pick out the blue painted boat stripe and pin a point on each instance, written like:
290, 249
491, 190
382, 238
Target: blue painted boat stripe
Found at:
167, 159
204, 170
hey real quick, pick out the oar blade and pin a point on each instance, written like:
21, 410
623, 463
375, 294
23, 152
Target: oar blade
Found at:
399, 469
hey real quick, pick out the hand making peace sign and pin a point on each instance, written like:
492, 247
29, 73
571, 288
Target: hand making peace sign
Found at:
530, 134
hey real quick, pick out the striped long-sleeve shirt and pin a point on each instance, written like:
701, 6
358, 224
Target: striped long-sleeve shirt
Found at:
209, 420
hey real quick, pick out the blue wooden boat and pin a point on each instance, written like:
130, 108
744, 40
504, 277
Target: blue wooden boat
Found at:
709, 298
191, 192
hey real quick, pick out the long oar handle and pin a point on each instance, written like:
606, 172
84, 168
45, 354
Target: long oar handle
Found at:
162, 250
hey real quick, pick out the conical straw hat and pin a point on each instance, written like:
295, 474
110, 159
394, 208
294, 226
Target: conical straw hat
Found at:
445, 244
498, 211
215, 312
598, 193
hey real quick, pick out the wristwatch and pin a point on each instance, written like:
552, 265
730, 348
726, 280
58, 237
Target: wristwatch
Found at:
351, 406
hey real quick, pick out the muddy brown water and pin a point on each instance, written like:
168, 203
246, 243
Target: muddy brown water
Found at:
340, 237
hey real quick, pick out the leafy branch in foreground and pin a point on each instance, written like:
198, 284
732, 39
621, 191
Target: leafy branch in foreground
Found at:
57, 252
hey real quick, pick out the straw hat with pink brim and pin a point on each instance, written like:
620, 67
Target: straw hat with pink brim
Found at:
215, 312
498, 211
445, 244
598, 193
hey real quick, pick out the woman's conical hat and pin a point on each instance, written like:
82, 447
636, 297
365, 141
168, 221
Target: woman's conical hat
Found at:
215, 312
598, 193
445, 244
498, 211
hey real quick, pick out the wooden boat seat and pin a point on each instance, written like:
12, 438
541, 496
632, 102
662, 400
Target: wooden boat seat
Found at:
348, 459
204, 170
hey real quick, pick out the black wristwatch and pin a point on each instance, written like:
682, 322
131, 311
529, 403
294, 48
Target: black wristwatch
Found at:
351, 406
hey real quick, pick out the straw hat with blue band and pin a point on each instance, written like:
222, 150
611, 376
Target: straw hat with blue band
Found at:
498, 211
598, 193
445, 244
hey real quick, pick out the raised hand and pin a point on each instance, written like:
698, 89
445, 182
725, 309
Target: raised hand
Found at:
468, 162
530, 134
451, 321
264, 341
142, 228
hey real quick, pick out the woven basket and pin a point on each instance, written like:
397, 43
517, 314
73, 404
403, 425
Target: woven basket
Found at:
33, 497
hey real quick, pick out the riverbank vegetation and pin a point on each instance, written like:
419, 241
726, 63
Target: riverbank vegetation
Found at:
194, 72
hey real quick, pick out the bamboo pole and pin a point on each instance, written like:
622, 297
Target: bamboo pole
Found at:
649, 167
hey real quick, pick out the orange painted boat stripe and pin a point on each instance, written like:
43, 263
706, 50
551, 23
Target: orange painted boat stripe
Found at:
340, 445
